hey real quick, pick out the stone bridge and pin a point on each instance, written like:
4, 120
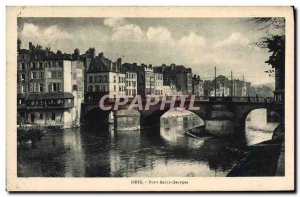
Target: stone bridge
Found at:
233, 109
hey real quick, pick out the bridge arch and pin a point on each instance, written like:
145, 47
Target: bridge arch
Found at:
243, 113
257, 127
94, 117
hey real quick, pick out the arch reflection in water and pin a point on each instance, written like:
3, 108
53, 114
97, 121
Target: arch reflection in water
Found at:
257, 127
175, 123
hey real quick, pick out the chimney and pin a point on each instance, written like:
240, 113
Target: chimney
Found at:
172, 66
134, 64
150, 65
19, 44
163, 67
119, 61
101, 55
30, 46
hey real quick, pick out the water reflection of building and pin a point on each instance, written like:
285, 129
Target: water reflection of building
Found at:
43, 157
123, 161
75, 157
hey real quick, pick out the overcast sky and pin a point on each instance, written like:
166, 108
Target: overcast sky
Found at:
199, 43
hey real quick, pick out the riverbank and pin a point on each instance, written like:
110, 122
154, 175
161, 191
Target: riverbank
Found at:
263, 159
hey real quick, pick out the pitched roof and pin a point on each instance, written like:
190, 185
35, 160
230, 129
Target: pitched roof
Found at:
99, 65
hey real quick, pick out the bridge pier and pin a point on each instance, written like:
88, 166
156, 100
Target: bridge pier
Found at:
220, 121
126, 120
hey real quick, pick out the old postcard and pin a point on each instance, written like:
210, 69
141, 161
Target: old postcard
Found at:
150, 99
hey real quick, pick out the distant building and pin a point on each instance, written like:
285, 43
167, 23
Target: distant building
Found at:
198, 89
226, 87
149, 79
158, 82
50, 87
131, 79
170, 90
105, 77
178, 75
140, 76
241, 88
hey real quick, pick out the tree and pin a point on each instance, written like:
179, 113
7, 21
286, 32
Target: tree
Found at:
274, 40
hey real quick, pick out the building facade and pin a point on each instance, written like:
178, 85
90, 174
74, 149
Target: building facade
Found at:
131, 83
50, 88
158, 83
105, 77
149, 80
198, 89
178, 75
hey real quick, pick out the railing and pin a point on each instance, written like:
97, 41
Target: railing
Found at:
189, 98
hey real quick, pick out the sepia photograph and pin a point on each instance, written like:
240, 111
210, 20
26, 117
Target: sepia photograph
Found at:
150, 100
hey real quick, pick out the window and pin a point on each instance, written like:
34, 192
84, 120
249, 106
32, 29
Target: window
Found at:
91, 79
33, 75
59, 74
97, 88
114, 79
41, 87
41, 116
42, 75
50, 87
36, 87
114, 87
30, 87
22, 89
23, 66
90, 88
54, 74
53, 116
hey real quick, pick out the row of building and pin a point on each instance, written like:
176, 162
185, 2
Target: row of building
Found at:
52, 86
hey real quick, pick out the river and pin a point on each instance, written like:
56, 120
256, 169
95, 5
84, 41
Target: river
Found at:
155, 152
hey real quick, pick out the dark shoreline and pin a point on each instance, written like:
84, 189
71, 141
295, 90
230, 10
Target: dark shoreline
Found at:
262, 159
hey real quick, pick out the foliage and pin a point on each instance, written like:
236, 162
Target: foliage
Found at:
274, 41
261, 91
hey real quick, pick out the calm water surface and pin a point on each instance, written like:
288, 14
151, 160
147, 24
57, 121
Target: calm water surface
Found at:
161, 152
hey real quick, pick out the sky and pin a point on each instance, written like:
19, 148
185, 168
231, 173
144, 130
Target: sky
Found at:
198, 43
